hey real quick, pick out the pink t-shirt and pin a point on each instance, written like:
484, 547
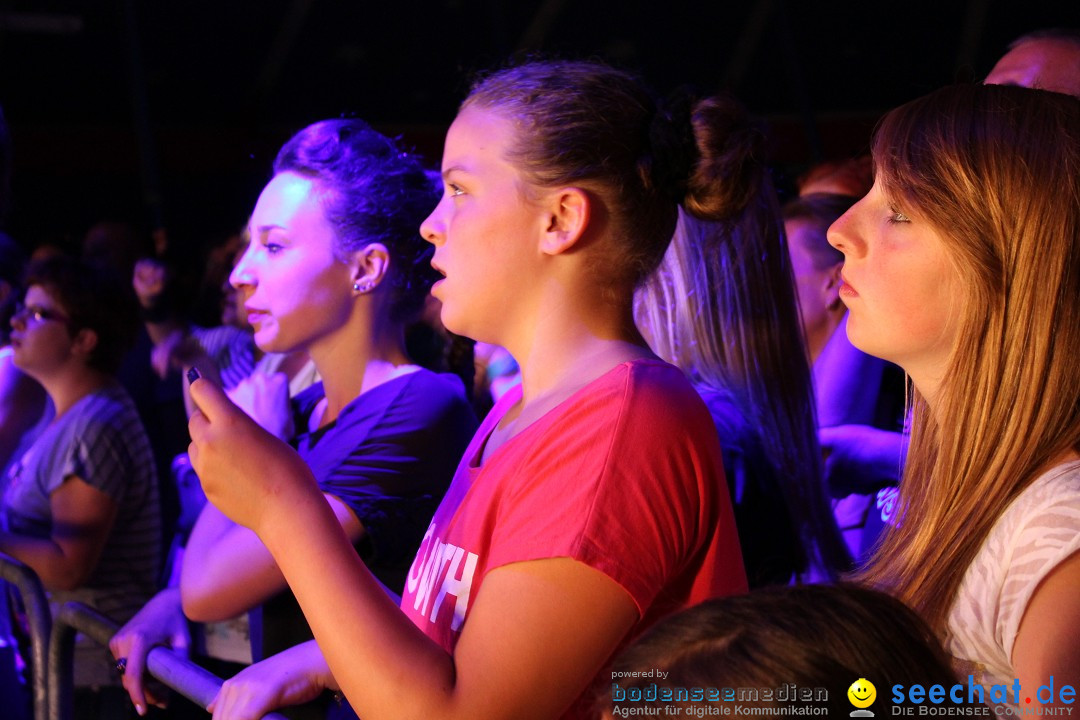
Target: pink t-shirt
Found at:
624, 476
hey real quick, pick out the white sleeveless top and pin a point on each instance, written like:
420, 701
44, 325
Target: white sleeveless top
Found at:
1039, 530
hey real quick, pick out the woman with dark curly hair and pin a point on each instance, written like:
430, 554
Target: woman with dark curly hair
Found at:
335, 268
80, 506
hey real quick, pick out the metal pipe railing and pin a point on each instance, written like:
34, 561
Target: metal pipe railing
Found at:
29, 587
185, 677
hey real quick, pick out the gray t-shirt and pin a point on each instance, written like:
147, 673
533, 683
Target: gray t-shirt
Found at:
101, 440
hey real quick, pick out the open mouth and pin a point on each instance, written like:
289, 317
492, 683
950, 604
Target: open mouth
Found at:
440, 281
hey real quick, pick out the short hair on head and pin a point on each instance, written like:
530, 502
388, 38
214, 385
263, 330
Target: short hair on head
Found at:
810, 635
372, 191
94, 298
818, 211
1069, 35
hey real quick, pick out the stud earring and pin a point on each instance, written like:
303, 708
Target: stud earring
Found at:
363, 287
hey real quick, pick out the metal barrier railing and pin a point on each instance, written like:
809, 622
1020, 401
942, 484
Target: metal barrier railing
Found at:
29, 587
52, 649
185, 677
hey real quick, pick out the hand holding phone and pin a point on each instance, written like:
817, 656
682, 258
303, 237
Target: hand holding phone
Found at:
245, 471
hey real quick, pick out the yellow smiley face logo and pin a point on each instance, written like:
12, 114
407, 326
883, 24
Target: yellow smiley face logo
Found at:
862, 693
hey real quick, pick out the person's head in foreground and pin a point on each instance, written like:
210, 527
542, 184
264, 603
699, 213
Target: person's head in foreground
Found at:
749, 650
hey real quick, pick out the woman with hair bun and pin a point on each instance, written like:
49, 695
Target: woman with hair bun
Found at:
591, 501
962, 265
722, 307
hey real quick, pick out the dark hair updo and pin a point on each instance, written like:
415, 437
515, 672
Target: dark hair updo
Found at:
588, 124
371, 192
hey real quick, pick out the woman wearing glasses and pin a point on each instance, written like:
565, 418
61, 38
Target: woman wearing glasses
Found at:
80, 507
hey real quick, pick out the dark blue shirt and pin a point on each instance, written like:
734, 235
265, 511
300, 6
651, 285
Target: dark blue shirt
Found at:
389, 456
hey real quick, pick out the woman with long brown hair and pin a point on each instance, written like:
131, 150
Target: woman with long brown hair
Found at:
962, 265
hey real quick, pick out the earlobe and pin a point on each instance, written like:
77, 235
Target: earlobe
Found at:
567, 221
368, 267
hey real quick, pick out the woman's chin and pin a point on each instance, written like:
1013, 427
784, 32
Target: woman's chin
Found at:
452, 322
266, 339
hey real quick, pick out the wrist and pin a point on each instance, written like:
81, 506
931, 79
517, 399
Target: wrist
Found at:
319, 672
295, 501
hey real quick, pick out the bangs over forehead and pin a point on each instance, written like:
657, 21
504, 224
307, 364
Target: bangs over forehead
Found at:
917, 150
976, 146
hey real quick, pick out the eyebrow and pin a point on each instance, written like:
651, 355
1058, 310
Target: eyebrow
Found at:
452, 169
266, 228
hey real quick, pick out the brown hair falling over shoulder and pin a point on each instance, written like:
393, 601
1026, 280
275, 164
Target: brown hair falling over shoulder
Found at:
996, 170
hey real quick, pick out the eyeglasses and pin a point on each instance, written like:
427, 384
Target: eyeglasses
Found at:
38, 314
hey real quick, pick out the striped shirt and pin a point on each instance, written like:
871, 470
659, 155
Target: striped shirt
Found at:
101, 441
231, 349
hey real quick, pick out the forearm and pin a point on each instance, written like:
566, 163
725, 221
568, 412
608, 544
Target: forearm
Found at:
384, 664
209, 528
884, 465
312, 661
56, 570
537, 632
226, 571
860, 458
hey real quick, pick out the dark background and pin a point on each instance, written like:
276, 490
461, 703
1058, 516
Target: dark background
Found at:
168, 113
